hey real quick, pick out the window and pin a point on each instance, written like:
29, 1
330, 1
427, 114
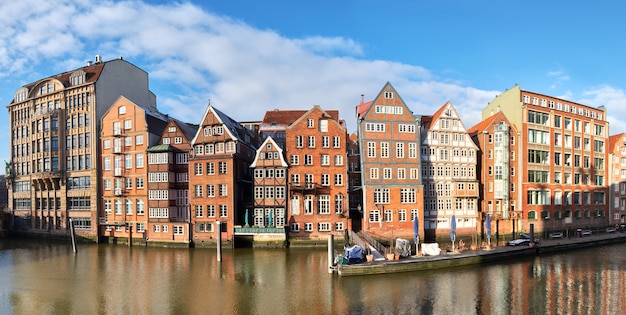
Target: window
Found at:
323, 125
158, 213
325, 142
197, 190
338, 179
178, 230
324, 204
384, 149
323, 226
325, 180
140, 207
294, 159
338, 160
400, 150
308, 227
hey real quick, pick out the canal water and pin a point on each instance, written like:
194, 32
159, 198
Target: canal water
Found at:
48, 278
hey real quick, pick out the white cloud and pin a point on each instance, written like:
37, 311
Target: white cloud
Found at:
193, 55
614, 100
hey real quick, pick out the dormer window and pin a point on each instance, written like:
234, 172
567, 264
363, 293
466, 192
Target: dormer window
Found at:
78, 77
21, 95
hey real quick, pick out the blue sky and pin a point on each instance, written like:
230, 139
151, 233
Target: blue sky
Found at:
248, 56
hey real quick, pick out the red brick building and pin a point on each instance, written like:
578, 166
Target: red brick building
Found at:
393, 195
318, 189
54, 172
220, 178
128, 129
564, 182
168, 171
617, 179
499, 175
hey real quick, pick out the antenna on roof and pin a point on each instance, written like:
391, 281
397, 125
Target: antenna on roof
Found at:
209, 102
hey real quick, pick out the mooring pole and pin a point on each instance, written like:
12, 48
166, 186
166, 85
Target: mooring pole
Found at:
331, 252
219, 241
73, 235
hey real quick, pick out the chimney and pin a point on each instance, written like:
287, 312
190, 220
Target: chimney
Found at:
88, 63
98, 59
362, 98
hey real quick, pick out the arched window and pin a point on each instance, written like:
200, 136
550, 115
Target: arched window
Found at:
532, 215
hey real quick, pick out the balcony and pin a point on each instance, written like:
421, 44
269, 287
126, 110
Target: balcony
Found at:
118, 171
117, 149
118, 191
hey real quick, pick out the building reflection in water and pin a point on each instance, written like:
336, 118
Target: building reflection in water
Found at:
39, 278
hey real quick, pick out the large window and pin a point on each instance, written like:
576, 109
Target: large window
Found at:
381, 196
538, 118
538, 197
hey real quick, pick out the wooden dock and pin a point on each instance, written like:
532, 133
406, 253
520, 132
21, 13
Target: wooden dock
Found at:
474, 257
435, 262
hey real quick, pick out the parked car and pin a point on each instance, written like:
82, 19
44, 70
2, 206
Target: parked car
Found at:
611, 230
519, 241
554, 235
585, 233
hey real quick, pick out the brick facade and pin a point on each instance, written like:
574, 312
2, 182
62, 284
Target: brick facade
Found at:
389, 139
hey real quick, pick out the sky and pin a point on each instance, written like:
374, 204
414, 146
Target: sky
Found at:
248, 56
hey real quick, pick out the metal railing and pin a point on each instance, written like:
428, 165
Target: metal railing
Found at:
378, 246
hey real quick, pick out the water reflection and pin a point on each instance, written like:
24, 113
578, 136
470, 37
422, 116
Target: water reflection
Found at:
41, 278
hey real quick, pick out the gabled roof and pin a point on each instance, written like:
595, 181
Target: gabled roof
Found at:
189, 130
155, 120
437, 114
327, 114
276, 147
92, 73
281, 119
363, 108
483, 125
235, 130
614, 140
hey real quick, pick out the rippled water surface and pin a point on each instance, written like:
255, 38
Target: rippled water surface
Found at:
48, 278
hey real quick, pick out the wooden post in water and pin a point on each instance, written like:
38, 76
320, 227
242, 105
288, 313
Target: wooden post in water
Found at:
331, 252
130, 234
73, 235
219, 241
